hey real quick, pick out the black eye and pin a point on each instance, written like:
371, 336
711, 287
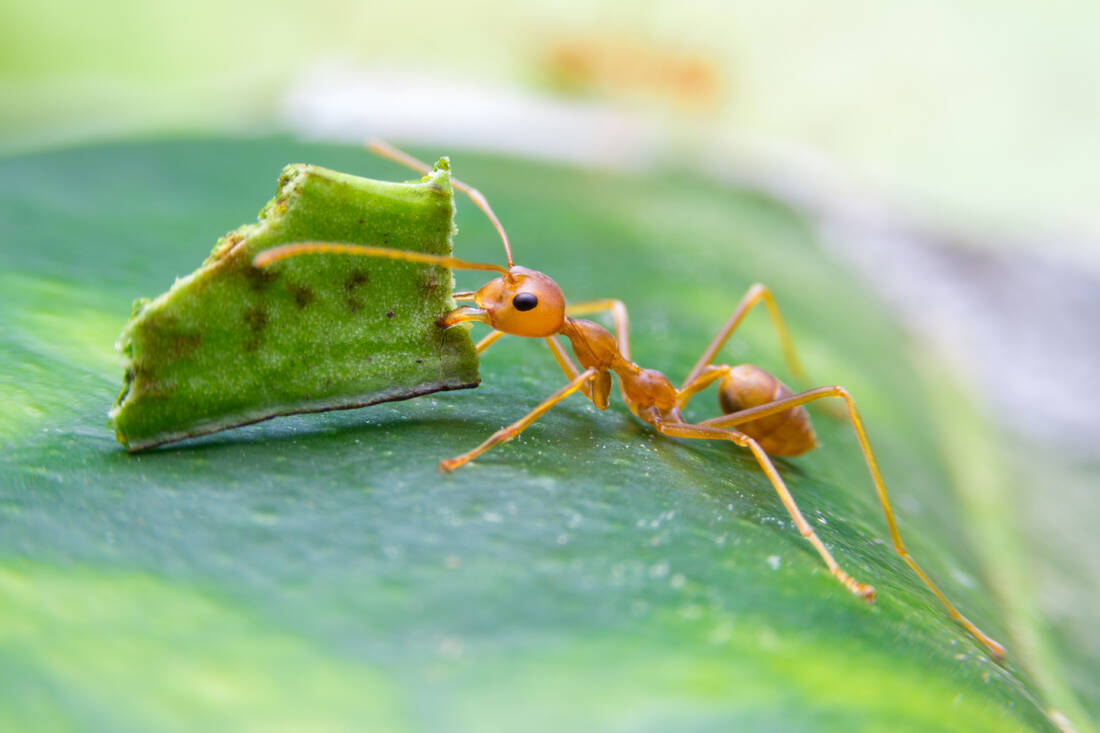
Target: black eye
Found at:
525, 301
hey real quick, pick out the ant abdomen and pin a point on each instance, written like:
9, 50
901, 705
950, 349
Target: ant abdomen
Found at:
787, 433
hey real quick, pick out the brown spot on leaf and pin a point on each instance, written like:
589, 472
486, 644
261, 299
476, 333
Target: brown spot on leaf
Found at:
356, 280
303, 295
256, 318
165, 339
390, 314
354, 304
145, 381
185, 344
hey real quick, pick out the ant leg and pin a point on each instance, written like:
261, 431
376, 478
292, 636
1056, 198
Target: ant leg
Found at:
618, 315
505, 434
488, 341
755, 294
771, 408
710, 374
598, 390
685, 430
565, 361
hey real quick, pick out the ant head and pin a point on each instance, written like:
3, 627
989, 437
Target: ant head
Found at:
522, 303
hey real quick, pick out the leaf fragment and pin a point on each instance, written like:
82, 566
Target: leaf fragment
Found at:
231, 344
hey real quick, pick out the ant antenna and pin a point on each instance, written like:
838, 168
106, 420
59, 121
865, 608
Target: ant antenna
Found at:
388, 151
270, 256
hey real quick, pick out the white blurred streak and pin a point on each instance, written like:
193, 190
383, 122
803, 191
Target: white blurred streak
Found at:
335, 102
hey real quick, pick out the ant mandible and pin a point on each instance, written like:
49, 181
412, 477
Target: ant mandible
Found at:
759, 412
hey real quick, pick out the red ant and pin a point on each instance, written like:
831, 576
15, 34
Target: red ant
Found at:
760, 412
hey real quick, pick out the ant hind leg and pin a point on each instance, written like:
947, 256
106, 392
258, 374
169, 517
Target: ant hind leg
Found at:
704, 432
781, 405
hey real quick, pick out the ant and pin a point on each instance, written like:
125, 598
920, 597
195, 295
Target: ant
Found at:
759, 412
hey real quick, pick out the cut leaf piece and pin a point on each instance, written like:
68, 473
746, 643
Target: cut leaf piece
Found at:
231, 344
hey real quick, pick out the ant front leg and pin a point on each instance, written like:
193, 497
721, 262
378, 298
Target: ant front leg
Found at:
781, 405
598, 389
506, 434
488, 341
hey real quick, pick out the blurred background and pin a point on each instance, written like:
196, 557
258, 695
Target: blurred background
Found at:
947, 150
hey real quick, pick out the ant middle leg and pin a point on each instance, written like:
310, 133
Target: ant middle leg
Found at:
706, 432
707, 376
777, 406
756, 294
619, 317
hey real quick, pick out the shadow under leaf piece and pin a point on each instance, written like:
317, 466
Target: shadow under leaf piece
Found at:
231, 344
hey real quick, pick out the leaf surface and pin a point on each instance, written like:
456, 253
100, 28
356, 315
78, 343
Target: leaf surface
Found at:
588, 575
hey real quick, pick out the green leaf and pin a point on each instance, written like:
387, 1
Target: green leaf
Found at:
231, 344
317, 571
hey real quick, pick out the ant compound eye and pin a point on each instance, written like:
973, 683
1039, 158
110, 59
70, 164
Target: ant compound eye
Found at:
525, 301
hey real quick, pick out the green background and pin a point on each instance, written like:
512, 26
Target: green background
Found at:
317, 572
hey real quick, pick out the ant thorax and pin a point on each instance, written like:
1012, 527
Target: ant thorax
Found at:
594, 346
